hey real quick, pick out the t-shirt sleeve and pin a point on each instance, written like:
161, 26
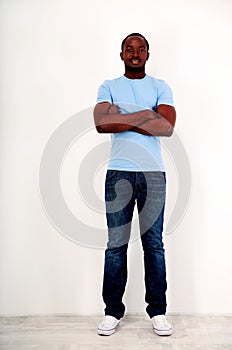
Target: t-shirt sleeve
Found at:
104, 94
165, 95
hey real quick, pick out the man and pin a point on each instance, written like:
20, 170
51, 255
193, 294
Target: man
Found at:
136, 109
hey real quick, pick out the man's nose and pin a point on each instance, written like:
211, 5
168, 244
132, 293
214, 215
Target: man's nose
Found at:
136, 53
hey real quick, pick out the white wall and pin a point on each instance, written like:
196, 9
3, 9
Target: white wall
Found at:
54, 55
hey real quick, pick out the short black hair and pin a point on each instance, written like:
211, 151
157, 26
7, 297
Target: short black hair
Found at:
135, 34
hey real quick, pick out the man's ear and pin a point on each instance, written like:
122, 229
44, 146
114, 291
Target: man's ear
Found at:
121, 55
148, 54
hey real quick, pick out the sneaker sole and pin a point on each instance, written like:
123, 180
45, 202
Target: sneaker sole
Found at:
168, 332
101, 332
109, 332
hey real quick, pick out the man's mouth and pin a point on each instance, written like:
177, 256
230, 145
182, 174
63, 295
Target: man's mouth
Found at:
135, 61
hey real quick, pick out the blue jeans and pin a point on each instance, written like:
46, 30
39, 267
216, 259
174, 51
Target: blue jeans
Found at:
122, 190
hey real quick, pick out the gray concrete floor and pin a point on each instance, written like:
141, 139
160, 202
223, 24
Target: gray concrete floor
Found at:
134, 332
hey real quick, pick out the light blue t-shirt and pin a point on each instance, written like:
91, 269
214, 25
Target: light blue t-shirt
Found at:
131, 151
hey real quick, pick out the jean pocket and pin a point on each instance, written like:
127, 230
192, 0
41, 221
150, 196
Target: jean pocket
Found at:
110, 174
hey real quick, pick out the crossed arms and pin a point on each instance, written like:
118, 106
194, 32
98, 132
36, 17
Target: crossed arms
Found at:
147, 122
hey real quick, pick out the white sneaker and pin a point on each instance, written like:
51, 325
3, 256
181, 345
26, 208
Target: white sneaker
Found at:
108, 325
161, 325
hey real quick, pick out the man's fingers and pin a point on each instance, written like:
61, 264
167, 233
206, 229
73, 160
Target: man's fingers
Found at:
113, 109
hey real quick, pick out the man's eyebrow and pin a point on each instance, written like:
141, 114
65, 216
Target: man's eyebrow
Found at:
132, 46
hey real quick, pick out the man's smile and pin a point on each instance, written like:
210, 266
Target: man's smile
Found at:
135, 60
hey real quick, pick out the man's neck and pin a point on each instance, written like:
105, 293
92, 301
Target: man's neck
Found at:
134, 73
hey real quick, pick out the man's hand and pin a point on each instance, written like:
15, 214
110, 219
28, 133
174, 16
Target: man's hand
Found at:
162, 124
113, 109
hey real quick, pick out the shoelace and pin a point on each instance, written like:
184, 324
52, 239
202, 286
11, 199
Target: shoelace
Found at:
161, 320
108, 320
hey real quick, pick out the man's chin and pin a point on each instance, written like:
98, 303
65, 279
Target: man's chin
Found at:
135, 68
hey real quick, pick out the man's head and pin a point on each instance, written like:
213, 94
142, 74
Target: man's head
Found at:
135, 34
134, 51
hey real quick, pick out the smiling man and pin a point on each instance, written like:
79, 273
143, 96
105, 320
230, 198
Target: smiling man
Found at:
136, 109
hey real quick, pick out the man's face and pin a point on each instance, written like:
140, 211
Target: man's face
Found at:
134, 53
